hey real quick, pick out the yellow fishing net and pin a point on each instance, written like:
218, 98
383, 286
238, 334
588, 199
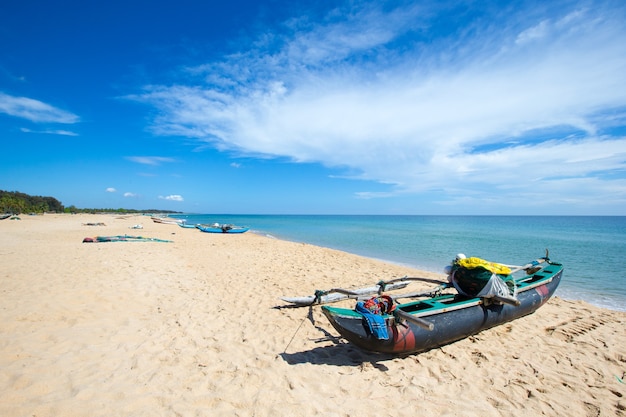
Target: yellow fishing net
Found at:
494, 268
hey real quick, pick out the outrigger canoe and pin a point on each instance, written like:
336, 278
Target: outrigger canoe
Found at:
222, 228
422, 325
165, 220
187, 226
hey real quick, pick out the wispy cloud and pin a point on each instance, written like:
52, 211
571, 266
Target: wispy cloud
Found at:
130, 195
111, 190
173, 197
150, 160
514, 103
50, 132
34, 110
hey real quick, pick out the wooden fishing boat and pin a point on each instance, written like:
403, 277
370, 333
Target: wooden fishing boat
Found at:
222, 228
421, 325
187, 226
165, 220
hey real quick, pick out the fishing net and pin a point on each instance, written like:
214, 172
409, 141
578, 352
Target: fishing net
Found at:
475, 277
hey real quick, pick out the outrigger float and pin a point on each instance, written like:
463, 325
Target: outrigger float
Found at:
487, 295
338, 294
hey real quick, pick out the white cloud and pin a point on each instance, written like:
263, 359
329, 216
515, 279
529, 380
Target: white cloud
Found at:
34, 110
127, 194
50, 132
111, 190
173, 197
150, 160
534, 33
516, 104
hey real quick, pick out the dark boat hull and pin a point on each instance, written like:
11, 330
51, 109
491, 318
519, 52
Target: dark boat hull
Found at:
223, 230
453, 317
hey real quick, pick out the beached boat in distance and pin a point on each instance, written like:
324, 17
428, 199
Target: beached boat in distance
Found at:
222, 228
418, 326
184, 225
165, 220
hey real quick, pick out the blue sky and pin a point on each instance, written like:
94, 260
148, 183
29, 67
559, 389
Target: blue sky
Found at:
320, 107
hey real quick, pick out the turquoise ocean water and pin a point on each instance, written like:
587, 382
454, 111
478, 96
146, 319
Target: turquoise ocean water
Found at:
591, 248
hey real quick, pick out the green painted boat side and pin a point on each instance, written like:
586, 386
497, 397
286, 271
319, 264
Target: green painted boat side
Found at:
452, 316
223, 229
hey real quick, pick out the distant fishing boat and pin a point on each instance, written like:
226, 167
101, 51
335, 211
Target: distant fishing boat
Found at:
222, 228
165, 220
380, 325
184, 225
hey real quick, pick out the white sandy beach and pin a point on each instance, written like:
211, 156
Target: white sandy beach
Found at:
191, 328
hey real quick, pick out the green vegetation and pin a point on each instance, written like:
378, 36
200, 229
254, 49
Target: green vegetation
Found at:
16, 203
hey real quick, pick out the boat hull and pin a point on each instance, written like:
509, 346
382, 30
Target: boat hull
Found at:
165, 220
223, 230
453, 317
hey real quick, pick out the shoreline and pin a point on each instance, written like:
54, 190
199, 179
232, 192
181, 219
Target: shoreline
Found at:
608, 302
197, 327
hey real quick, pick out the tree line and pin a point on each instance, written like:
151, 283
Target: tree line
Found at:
16, 202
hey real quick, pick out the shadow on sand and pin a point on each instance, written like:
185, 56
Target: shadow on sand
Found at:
340, 353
